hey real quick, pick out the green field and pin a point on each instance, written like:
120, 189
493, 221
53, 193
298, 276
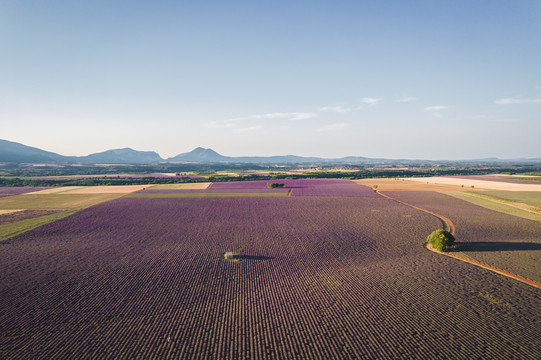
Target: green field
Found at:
527, 197
494, 204
15, 228
54, 201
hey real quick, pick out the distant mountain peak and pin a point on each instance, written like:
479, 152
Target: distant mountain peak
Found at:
124, 156
199, 154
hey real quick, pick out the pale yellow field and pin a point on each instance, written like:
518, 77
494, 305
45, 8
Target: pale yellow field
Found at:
4, 212
402, 185
186, 186
124, 189
54, 190
478, 184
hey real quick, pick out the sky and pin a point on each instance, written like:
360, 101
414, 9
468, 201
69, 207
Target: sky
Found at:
424, 79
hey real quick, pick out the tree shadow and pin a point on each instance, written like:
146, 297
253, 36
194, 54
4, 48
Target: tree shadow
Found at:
497, 246
251, 257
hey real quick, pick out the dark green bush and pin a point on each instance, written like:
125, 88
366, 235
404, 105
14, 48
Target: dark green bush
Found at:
275, 185
441, 239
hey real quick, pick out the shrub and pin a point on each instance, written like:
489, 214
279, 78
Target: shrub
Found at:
441, 239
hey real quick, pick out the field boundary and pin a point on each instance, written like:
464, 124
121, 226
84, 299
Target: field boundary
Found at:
487, 267
516, 204
451, 229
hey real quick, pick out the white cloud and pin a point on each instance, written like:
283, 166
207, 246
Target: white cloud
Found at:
436, 108
406, 99
228, 123
288, 116
511, 101
337, 109
219, 124
333, 127
250, 128
370, 100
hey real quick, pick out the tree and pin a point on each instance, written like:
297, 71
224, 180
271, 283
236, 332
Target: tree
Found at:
441, 239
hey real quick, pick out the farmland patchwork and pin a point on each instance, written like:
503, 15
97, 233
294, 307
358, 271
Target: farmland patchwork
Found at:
331, 271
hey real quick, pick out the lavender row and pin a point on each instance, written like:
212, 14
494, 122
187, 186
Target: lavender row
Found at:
304, 187
16, 190
122, 176
501, 240
321, 277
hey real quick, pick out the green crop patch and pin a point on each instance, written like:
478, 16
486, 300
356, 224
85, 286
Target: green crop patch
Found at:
54, 201
503, 207
526, 197
18, 227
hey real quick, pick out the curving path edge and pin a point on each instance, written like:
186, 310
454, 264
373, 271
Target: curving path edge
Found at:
448, 224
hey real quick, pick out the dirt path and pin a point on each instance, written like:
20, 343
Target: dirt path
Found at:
451, 228
488, 267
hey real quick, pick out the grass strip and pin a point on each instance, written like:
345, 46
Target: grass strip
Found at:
532, 198
204, 195
18, 227
495, 204
54, 201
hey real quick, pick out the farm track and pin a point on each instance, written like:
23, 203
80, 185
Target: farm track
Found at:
487, 267
451, 228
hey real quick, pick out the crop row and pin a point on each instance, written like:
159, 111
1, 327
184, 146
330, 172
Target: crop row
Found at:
16, 190
322, 277
303, 187
23, 215
504, 241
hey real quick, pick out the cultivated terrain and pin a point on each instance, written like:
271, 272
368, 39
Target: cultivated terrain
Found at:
322, 269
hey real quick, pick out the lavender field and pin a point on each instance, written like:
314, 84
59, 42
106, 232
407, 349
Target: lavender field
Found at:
17, 190
303, 187
315, 277
507, 242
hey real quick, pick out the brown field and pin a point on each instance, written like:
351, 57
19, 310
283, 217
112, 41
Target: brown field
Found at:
124, 189
185, 186
478, 184
404, 185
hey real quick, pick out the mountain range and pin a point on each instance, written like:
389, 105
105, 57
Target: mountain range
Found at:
18, 153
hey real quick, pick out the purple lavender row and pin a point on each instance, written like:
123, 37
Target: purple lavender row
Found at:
122, 176
322, 277
491, 237
302, 187
16, 190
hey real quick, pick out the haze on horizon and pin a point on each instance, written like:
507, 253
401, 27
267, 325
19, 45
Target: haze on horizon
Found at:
420, 80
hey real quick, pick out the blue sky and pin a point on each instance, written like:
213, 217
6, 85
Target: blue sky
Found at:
396, 79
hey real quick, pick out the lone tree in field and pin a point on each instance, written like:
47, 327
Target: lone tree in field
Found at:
441, 239
275, 185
